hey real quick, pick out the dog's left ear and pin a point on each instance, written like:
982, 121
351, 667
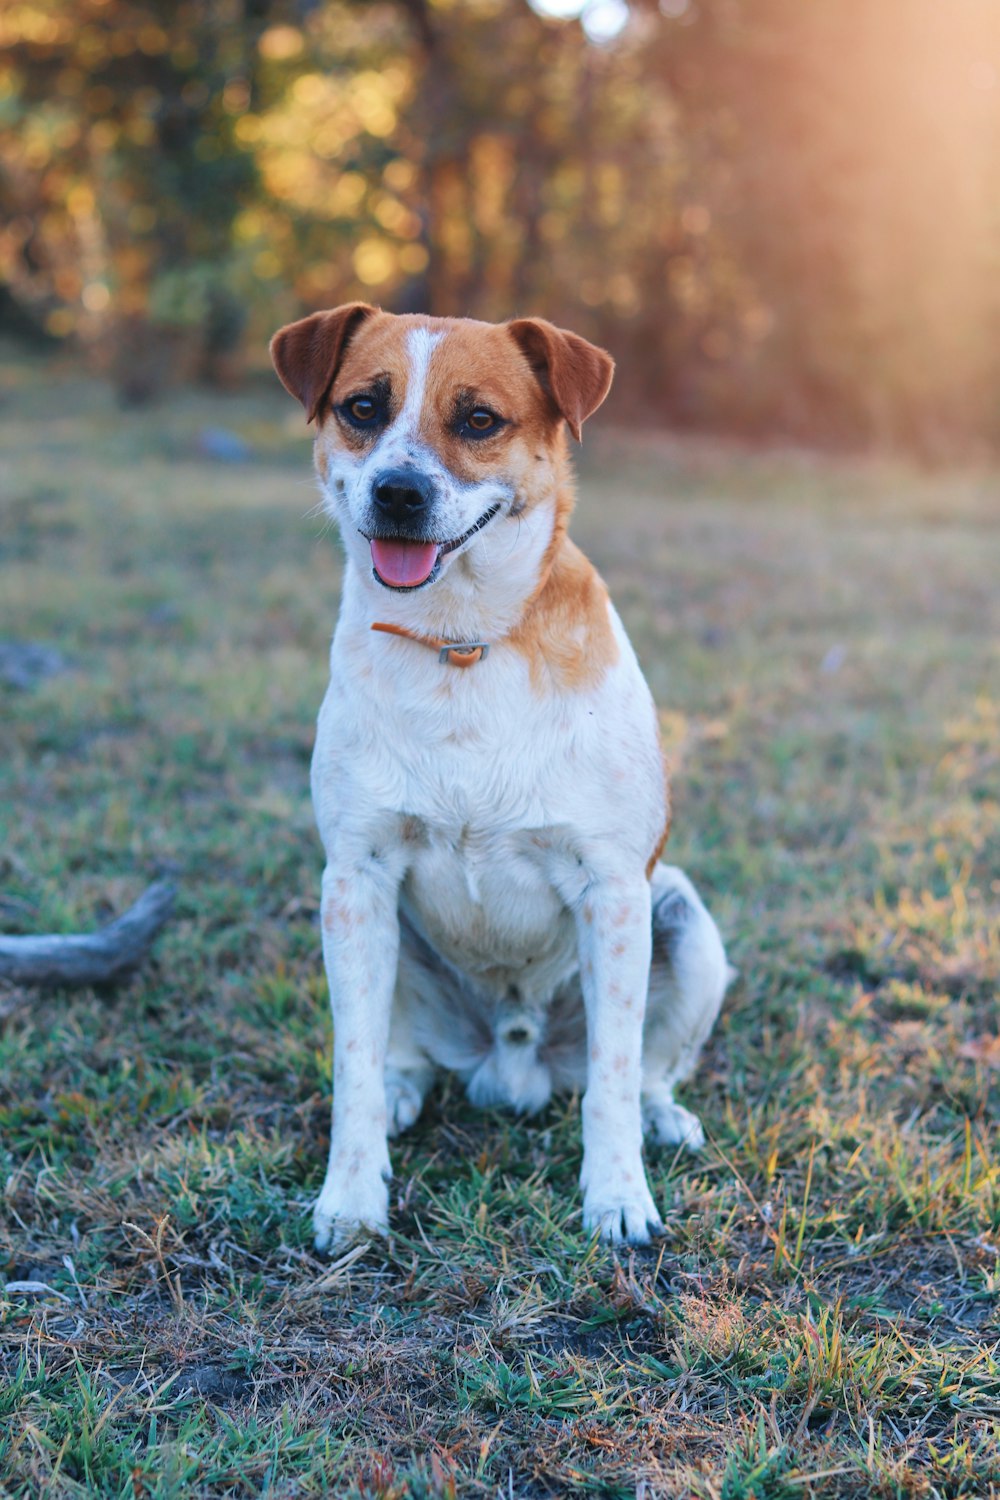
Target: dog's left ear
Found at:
307, 354
575, 374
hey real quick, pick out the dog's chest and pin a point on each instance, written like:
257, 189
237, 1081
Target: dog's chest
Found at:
500, 797
485, 899
488, 821
489, 792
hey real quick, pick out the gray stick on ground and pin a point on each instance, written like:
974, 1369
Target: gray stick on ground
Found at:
101, 957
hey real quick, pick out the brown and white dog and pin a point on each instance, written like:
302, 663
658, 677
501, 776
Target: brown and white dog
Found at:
487, 778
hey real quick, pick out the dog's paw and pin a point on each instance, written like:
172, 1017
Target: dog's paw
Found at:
670, 1124
621, 1216
345, 1210
403, 1102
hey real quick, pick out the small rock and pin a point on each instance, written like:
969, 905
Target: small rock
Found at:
833, 660
163, 614
224, 446
24, 664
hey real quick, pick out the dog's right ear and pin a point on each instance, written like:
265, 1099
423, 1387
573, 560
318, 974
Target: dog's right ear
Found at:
307, 354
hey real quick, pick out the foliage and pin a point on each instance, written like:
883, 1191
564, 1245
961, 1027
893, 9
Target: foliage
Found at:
777, 215
820, 1318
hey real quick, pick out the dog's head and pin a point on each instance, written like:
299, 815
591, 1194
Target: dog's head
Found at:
435, 433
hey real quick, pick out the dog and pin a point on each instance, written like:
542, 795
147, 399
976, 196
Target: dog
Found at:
487, 778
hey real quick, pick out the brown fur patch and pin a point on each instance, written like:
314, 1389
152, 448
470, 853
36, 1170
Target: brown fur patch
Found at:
662, 841
377, 353
478, 364
565, 632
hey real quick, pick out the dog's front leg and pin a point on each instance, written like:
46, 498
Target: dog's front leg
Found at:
360, 948
613, 923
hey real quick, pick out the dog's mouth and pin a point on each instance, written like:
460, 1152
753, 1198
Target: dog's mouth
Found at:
401, 563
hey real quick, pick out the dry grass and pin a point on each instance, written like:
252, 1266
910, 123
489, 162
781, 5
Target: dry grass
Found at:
821, 1317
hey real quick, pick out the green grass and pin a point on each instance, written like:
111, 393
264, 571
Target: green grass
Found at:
821, 1317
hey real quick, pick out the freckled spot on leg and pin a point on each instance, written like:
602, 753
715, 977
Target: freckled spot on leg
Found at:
622, 915
352, 1045
620, 1062
614, 990
617, 950
337, 918
595, 1053
588, 913
628, 1003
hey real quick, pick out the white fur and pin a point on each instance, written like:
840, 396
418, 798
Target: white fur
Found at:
485, 905
401, 443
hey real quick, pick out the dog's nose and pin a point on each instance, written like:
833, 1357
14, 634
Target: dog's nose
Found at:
401, 494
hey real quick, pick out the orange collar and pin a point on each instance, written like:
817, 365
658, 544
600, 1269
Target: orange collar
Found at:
454, 653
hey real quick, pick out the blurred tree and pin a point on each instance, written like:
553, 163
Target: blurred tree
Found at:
780, 216
120, 173
852, 164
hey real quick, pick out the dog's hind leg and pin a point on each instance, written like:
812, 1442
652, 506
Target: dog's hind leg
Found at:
409, 1072
688, 980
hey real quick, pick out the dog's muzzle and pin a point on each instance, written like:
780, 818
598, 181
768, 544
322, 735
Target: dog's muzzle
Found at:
407, 562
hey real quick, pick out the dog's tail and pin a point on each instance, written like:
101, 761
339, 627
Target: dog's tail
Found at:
512, 1073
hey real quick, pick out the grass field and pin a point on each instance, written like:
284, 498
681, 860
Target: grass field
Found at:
821, 1317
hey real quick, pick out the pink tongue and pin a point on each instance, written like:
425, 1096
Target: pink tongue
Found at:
403, 564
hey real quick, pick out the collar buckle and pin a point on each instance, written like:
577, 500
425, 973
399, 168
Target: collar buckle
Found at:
463, 653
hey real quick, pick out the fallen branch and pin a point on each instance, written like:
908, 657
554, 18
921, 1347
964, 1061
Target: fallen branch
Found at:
92, 958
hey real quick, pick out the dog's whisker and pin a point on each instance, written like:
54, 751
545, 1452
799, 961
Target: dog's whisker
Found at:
515, 539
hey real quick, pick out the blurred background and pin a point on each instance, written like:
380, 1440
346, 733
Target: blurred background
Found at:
782, 216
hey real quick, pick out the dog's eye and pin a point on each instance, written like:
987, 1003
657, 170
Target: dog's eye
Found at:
362, 408
475, 422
